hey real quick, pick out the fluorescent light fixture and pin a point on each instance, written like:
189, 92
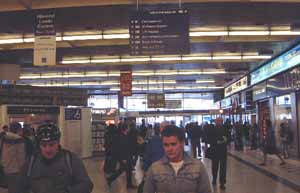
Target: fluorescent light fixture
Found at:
205, 81
30, 76
226, 57
144, 59
256, 57
116, 36
249, 33
28, 40
153, 82
184, 58
209, 33
175, 58
11, 41
214, 72
75, 61
59, 38
283, 33
82, 37
112, 60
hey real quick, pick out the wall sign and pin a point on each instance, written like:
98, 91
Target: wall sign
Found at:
72, 114
279, 64
159, 32
236, 86
32, 110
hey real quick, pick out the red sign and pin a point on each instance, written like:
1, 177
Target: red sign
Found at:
126, 83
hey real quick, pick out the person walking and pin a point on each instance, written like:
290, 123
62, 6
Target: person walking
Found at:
13, 156
218, 144
176, 171
269, 143
53, 169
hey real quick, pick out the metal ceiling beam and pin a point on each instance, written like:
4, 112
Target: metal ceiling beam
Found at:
14, 5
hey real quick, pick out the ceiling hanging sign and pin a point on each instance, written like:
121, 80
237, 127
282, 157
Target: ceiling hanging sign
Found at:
45, 38
156, 100
159, 32
126, 83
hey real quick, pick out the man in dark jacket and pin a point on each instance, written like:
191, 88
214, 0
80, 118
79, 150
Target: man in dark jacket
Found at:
122, 151
218, 142
53, 169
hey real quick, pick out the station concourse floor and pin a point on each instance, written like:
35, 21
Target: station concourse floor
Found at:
240, 179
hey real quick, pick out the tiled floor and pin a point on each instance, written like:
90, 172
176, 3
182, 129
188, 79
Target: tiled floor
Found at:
240, 179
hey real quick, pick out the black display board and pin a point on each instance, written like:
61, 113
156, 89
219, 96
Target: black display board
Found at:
156, 100
32, 110
160, 32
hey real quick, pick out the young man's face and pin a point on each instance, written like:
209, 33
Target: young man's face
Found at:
49, 149
173, 148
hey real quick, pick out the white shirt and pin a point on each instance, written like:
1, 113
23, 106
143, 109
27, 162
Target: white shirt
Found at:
176, 165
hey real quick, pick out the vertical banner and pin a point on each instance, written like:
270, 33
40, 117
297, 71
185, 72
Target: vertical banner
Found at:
126, 83
45, 38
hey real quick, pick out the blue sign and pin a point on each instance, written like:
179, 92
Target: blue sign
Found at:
277, 65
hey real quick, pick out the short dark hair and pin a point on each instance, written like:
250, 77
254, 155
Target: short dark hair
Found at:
172, 130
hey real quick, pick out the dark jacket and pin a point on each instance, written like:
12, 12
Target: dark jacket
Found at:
154, 151
54, 176
218, 142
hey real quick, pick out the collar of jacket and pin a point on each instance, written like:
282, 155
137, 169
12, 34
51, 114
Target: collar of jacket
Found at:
186, 159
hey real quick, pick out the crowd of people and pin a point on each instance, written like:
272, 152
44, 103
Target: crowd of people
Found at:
127, 142
33, 160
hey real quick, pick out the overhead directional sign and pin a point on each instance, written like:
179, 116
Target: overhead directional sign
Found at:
45, 39
160, 32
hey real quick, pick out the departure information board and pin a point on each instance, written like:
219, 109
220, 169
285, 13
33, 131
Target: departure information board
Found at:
160, 32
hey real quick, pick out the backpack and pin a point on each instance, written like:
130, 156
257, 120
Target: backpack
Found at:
67, 158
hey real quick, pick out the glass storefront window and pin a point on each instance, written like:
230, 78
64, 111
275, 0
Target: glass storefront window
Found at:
282, 110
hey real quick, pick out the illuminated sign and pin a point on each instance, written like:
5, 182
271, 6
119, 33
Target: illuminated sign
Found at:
226, 103
237, 86
283, 62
